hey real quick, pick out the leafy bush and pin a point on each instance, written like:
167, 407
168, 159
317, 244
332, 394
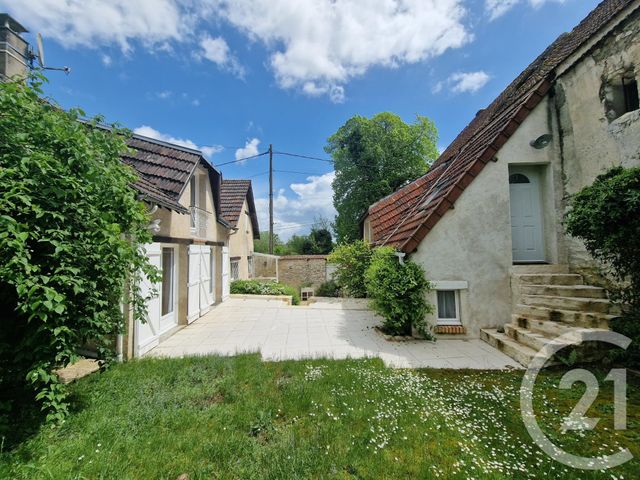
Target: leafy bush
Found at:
606, 216
352, 261
328, 289
70, 230
397, 291
256, 287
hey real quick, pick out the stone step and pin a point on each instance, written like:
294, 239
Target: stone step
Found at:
519, 352
534, 340
549, 279
539, 269
581, 291
577, 304
543, 327
573, 318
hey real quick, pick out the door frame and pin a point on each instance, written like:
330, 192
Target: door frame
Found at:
171, 317
535, 175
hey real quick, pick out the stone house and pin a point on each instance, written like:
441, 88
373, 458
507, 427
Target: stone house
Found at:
190, 242
239, 210
485, 221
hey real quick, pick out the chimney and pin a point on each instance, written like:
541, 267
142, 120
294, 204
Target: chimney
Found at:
15, 54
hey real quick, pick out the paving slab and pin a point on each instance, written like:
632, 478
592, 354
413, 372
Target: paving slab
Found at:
326, 328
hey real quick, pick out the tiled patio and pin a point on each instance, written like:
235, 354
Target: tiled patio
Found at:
327, 329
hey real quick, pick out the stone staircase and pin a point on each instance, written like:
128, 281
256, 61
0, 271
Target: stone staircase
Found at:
550, 301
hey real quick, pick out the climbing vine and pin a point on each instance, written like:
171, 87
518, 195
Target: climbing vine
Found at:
71, 228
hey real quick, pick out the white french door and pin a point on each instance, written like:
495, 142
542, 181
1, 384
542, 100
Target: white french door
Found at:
161, 308
200, 291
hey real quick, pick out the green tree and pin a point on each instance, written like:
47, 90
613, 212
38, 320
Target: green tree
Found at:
71, 230
373, 158
321, 241
261, 245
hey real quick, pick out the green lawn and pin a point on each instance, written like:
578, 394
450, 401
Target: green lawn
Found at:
240, 418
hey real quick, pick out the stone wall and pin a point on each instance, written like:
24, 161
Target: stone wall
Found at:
265, 265
299, 270
592, 136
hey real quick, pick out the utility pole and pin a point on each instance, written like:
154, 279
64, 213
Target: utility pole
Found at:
271, 199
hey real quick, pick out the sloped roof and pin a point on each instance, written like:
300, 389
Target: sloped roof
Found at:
153, 194
167, 166
404, 218
233, 193
165, 169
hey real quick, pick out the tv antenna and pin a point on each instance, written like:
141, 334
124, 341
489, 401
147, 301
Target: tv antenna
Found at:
40, 57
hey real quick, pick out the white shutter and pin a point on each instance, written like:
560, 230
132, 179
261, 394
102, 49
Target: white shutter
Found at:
206, 299
146, 334
225, 273
193, 285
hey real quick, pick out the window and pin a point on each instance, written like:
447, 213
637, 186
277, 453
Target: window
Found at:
518, 178
448, 310
621, 96
235, 269
630, 91
168, 294
194, 191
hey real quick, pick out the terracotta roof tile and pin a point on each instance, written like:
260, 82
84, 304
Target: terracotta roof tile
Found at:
167, 167
404, 218
233, 193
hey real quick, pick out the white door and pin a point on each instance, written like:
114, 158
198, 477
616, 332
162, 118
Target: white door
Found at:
168, 289
226, 287
526, 218
193, 285
147, 334
200, 282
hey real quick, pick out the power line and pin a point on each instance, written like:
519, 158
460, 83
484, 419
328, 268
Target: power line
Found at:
258, 174
289, 227
241, 159
299, 173
309, 157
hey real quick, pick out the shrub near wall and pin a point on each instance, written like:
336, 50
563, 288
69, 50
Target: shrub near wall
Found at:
256, 287
351, 261
606, 216
398, 293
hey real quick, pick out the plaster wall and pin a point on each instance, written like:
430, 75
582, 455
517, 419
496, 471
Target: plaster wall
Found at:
472, 242
241, 242
178, 225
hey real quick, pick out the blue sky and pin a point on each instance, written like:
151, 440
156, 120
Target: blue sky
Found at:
230, 77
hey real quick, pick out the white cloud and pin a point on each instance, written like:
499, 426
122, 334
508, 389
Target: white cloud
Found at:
318, 45
315, 46
469, 82
497, 8
292, 214
95, 23
217, 50
106, 60
165, 94
249, 150
147, 131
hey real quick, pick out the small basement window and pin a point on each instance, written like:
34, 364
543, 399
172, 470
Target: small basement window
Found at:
448, 307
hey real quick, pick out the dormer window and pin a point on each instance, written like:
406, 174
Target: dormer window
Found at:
621, 95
